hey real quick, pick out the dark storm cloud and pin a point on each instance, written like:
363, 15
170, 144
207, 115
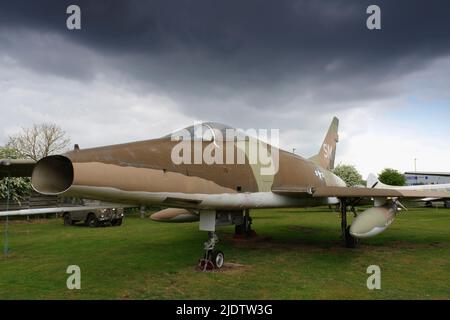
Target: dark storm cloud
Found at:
245, 55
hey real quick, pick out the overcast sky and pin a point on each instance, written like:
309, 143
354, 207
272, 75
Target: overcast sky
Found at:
138, 70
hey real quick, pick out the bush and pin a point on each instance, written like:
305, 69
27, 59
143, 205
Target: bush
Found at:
18, 187
392, 177
349, 174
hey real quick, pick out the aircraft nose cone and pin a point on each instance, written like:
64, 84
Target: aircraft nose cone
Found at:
371, 222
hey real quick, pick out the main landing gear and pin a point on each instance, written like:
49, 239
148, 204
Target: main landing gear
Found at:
212, 259
244, 230
349, 240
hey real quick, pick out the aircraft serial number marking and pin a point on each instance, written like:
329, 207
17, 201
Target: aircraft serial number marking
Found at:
319, 174
327, 151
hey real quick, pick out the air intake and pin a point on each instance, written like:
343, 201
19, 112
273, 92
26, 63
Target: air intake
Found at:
52, 175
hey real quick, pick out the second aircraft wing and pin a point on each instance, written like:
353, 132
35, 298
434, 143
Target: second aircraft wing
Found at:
353, 192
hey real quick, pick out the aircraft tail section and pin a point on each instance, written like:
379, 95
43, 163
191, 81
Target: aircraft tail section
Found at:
327, 153
373, 182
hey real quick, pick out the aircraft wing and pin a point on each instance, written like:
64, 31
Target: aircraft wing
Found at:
351, 192
374, 182
27, 212
16, 167
346, 192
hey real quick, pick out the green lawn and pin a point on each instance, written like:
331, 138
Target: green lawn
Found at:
298, 255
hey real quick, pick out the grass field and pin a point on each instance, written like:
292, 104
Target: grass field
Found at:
297, 255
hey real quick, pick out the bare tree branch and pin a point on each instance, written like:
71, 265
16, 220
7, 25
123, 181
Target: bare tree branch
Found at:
39, 141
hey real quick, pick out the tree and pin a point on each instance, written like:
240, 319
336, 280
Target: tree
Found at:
18, 188
349, 174
39, 141
392, 177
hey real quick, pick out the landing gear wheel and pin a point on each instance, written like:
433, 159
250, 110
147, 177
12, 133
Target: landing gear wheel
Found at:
68, 220
92, 221
350, 241
218, 259
212, 259
239, 230
244, 230
117, 222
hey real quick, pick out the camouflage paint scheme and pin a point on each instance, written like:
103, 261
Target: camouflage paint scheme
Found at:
144, 173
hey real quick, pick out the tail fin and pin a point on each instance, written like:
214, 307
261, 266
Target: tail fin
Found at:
327, 153
373, 182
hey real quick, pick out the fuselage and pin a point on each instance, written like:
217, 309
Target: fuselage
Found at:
144, 173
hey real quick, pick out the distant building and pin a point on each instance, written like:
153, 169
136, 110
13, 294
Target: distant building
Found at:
419, 178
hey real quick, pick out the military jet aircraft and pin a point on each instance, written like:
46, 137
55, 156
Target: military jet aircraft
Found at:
215, 193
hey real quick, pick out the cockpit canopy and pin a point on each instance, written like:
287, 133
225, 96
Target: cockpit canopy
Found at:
208, 131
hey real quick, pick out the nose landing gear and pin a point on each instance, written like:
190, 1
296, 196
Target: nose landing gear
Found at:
212, 259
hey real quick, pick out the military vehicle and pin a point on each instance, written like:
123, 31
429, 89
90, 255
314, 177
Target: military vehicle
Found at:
92, 217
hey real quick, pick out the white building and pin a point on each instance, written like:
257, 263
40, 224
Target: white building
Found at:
419, 178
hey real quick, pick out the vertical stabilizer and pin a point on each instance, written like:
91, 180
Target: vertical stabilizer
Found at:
374, 182
327, 153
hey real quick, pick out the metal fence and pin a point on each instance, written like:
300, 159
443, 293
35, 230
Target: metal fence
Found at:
34, 200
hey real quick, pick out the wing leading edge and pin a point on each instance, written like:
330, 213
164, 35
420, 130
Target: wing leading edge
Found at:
26, 212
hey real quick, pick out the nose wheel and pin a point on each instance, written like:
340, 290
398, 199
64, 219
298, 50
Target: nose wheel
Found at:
212, 259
